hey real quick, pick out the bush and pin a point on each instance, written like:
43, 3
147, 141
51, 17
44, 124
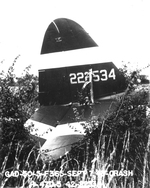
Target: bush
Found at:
17, 103
121, 139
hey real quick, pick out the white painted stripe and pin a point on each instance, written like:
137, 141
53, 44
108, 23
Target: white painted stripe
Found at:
56, 27
71, 58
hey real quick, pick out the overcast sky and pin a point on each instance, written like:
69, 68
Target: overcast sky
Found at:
119, 27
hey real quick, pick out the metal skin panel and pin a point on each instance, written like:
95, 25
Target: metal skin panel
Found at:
64, 34
62, 85
54, 87
58, 115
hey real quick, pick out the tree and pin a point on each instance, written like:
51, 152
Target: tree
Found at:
18, 101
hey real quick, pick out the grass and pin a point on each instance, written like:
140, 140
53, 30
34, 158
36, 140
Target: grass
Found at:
93, 173
114, 145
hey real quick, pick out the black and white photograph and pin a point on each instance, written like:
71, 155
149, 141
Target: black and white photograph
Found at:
74, 94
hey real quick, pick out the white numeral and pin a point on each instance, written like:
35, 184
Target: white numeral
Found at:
112, 74
73, 78
104, 75
86, 74
80, 77
96, 77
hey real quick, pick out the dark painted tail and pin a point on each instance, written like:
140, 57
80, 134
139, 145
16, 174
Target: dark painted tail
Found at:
64, 34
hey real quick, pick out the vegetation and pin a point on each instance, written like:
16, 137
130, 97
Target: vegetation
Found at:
121, 140
18, 102
118, 142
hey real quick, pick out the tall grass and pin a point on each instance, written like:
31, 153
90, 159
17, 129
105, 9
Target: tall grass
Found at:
96, 155
95, 172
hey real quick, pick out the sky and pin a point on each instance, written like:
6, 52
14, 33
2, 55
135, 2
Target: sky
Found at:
119, 27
